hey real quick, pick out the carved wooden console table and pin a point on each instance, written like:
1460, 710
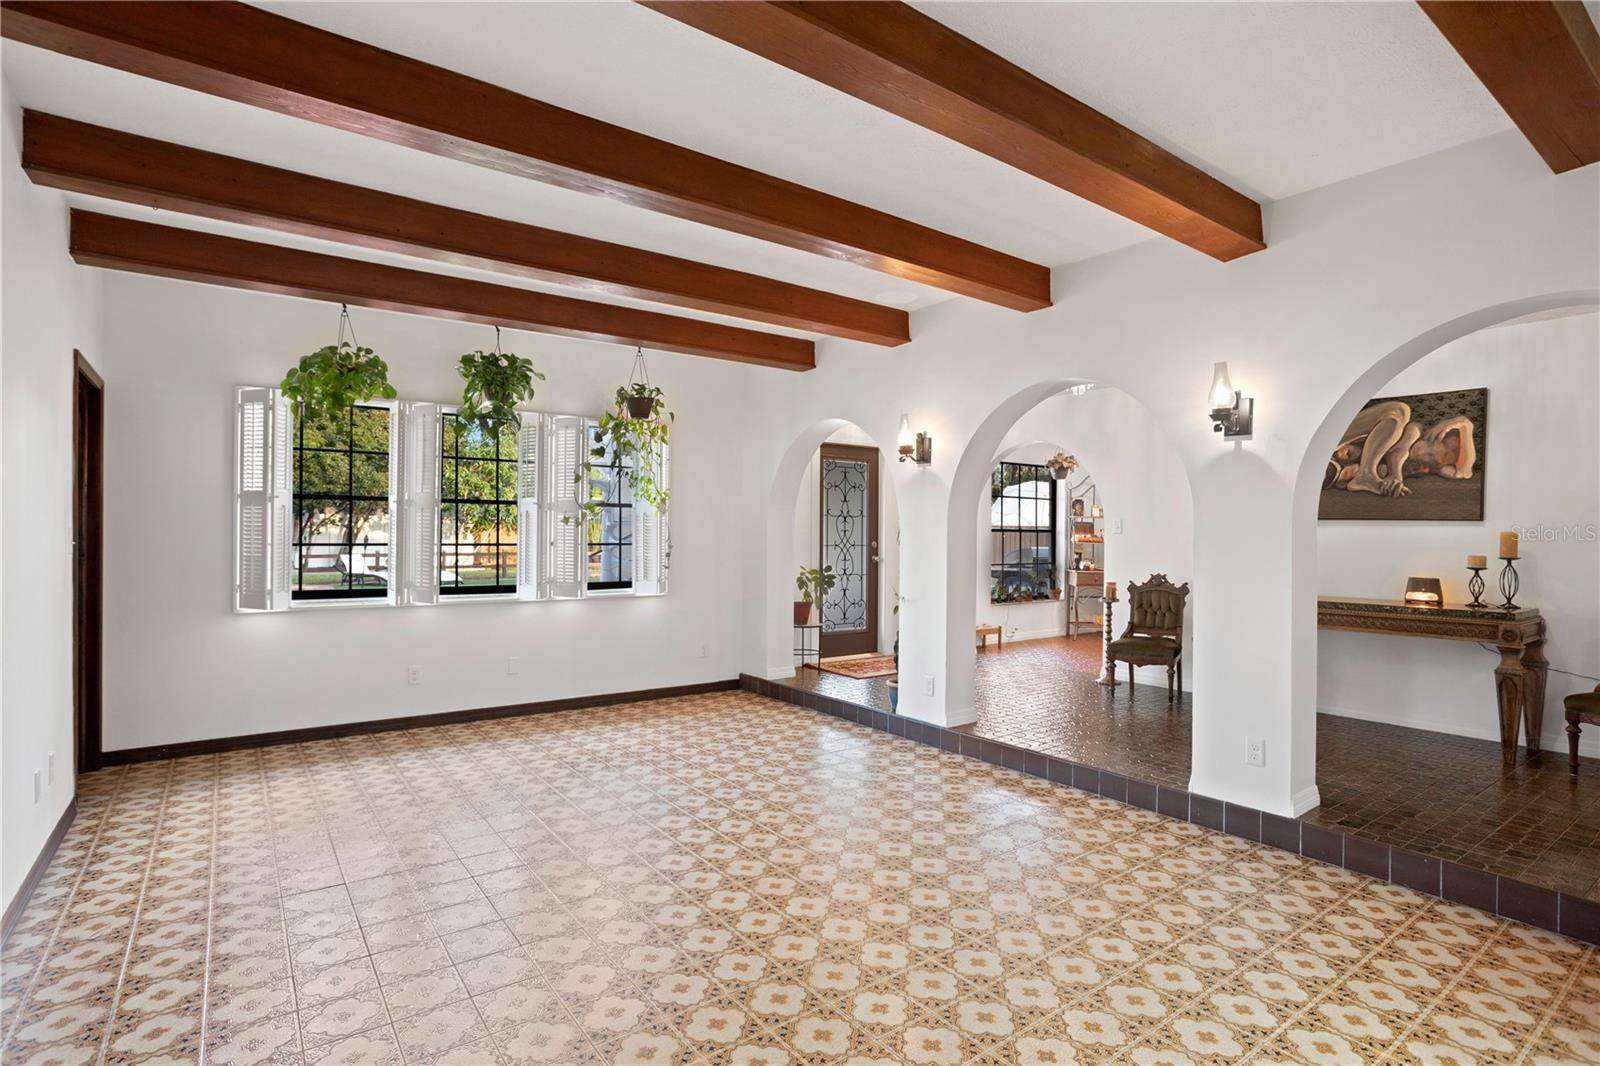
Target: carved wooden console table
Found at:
1519, 634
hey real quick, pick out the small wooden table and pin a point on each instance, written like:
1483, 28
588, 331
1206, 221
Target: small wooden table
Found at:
985, 632
1083, 584
1519, 680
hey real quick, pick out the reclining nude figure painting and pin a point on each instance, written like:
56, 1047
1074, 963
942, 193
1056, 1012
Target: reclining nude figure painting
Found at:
1410, 458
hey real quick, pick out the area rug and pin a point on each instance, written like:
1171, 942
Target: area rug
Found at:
871, 666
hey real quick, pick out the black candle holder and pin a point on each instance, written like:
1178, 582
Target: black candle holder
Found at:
1508, 584
1475, 586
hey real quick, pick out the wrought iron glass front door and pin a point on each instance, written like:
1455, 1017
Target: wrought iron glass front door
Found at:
849, 542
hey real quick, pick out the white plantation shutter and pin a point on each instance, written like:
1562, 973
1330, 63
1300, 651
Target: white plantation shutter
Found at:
650, 540
566, 536
530, 436
263, 533
397, 477
419, 504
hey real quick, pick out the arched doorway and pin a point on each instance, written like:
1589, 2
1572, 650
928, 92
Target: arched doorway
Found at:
1040, 687
833, 505
1495, 409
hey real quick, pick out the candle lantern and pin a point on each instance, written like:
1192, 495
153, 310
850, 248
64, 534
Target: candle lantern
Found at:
1424, 592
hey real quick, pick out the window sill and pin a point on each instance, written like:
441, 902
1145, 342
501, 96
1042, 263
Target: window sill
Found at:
339, 605
479, 597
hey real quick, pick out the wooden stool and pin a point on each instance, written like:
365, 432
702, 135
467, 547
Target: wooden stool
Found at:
984, 632
1581, 706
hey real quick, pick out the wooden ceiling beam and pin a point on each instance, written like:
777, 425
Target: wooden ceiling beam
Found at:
164, 251
79, 157
253, 56
1541, 60
893, 56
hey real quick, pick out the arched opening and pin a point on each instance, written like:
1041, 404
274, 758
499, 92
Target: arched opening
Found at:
1439, 728
1040, 682
833, 512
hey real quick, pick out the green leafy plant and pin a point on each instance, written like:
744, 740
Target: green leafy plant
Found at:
636, 445
494, 384
332, 379
814, 583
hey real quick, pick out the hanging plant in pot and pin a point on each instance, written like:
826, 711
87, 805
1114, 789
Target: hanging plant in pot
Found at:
336, 377
1061, 464
637, 443
494, 384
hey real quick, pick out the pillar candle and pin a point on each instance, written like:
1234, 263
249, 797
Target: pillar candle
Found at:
1508, 544
1478, 561
1111, 590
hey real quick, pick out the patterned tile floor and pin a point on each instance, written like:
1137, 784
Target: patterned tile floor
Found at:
1445, 796
728, 879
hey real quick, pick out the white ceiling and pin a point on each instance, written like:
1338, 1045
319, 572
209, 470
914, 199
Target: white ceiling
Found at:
1275, 98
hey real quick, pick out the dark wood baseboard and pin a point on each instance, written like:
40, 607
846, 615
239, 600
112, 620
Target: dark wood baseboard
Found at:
19, 902
187, 748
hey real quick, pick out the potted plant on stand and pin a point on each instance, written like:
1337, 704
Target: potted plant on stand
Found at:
334, 378
1055, 589
813, 584
494, 384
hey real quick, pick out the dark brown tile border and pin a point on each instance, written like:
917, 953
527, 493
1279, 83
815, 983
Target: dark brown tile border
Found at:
1203, 810
19, 902
1420, 873
1503, 896
188, 748
1365, 857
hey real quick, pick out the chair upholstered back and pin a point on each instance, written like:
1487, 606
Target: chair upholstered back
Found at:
1156, 607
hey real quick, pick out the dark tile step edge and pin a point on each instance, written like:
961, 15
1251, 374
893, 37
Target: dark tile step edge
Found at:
1506, 897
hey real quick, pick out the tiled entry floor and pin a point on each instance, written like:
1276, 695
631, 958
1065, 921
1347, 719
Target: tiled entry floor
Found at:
727, 879
1449, 797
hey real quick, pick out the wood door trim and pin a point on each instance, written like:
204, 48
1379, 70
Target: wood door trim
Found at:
869, 455
88, 566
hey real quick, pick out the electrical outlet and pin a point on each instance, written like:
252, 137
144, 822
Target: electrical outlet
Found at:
413, 675
1255, 751
1116, 525
514, 665
705, 651
927, 685
37, 790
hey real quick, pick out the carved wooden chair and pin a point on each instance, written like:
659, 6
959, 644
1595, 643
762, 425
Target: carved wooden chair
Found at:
1154, 634
1581, 707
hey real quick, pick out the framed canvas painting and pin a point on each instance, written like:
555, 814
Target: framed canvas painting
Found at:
1411, 458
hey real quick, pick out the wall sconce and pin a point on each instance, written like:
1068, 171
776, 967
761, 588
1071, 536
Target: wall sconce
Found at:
1424, 592
1233, 414
919, 448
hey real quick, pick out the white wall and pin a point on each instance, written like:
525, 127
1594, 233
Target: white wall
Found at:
49, 311
1542, 469
1359, 279
180, 665
808, 526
